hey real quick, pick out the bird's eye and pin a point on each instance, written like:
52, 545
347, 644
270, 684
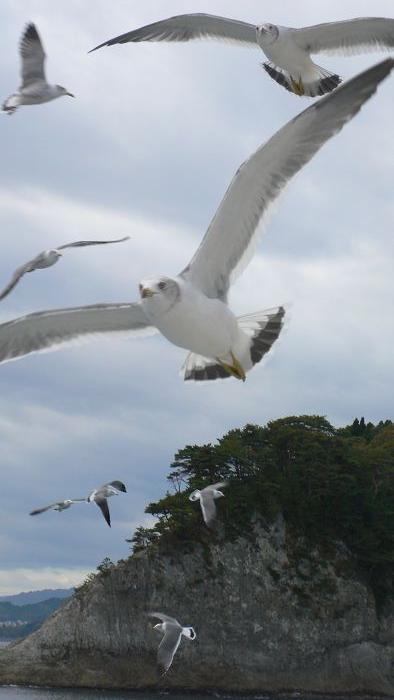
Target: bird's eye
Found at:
162, 285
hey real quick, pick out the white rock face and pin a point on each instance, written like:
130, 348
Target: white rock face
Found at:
270, 613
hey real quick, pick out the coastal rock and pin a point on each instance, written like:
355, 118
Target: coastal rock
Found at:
271, 613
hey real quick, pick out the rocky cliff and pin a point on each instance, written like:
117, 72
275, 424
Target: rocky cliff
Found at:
270, 612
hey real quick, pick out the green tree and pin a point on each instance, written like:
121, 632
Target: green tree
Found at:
330, 484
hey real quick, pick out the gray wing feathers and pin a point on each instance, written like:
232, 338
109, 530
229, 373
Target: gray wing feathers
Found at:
168, 646
103, 505
227, 246
82, 244
348, 37
33, 56
164, 618
47, 329
43, 510
30, 266
218, 485
187, 27
18, 274
208, 507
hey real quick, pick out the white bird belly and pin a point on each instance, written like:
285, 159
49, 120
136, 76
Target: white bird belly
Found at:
207, 328
285, 54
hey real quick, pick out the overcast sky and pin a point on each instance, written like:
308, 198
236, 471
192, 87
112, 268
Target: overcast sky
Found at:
147, 149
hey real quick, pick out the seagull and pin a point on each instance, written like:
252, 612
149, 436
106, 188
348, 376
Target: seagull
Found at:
207, 497
288, 50
59, 506
48, 258
99, 496
172, 633
34, 89
191, 310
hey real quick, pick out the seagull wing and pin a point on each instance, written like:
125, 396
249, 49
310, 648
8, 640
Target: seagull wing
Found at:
219, 485
43, 510
164, 618
45, 330
208, 506
351, 36
82, 244
33, 56
18, 274
187, 27
103, 505
168, 646
229, 242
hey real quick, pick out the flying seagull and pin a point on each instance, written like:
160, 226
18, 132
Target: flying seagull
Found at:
48, 258
288, 50
191, 309
207, 497
34, 89
99, 496
59, 506
172, 633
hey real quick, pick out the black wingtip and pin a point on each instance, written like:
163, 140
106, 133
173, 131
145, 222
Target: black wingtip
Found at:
100, 46
31, 32
121, 39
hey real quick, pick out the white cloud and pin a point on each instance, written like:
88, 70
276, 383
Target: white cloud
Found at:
21, 580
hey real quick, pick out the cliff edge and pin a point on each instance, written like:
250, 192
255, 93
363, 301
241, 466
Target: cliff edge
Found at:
270, 612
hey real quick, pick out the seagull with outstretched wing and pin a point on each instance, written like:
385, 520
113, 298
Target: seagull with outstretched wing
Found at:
99, 497
207, 497
191, 310
172, 632
34, 89
288, 49
59, 505
48, 258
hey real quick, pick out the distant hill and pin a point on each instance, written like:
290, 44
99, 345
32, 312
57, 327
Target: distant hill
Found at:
36, 596
17, 621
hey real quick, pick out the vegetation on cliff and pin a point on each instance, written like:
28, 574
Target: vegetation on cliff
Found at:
330, 484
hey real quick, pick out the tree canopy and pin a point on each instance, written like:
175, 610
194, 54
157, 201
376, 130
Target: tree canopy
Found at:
329, 484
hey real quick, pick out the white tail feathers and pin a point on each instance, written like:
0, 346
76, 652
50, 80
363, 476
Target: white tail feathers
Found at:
262, 327
317, 81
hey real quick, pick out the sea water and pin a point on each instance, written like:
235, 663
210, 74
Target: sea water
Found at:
23, 693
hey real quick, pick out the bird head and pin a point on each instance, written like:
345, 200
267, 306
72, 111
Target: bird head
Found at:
63, 91
267, 34
119, 486
189, 632
159, 295
195, 495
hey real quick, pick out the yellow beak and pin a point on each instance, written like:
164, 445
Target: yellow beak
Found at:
146, 292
